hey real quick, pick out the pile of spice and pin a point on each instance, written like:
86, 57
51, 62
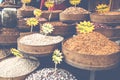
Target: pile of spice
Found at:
15, 67
49, 74
58, 24
75, 10
37, 39
4, 53
93, 43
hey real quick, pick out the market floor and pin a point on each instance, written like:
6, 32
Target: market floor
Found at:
112, 74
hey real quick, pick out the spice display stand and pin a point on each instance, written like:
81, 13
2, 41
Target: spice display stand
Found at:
91, 69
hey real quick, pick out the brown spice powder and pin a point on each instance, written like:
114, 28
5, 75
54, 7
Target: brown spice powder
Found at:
93, 43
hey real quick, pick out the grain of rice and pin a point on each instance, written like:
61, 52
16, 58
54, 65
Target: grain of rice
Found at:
40, 40
15, 67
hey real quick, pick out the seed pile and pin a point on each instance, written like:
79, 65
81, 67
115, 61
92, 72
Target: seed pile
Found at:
40, 40
93, 43
48, 74
75, 10
15, 67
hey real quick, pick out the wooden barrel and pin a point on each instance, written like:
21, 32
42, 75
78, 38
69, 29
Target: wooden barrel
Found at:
8, 36
63, 29
110, 33
16, 78
70, 18
88, 61
37, 50
27, 12
108, 18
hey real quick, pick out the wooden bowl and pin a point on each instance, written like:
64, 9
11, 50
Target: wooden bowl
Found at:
108, 18
90, 62
17, 78
70, 18
37, 50
27, 12
8, 36
63, 29
110, 33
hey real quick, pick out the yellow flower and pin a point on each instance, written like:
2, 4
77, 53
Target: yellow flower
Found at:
32, 22
37, 12
47, 28
49, 4
57, 56
16, 52
25, 1
102, 8
75, 2
85, 27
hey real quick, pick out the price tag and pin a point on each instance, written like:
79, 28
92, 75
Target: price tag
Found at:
75, 2
37, 12
49, 4
16, 52
25, 1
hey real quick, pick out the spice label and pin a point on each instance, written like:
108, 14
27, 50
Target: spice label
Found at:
75, 2
49, 4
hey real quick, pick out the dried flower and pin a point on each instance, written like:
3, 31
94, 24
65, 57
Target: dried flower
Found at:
85, 27
102, 8
25, 1
47, 28
75, 2
57, 56
16, 52
37, 12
